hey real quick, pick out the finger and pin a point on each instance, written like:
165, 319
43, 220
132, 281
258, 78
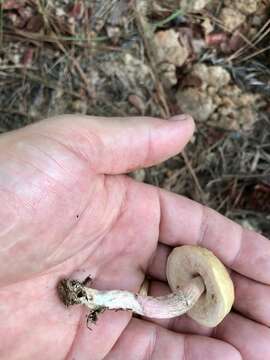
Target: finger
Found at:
250, 338
186, 222
97, 342
118, 145
251, 297
144, 340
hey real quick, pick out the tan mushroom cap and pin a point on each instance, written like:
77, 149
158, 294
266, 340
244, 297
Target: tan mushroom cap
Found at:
186, 262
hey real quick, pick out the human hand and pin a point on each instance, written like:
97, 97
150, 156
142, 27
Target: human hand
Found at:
66, 207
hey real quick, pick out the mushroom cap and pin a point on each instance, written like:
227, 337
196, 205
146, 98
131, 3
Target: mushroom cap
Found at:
186, 262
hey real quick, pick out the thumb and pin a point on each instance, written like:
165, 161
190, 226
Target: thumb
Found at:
119, 145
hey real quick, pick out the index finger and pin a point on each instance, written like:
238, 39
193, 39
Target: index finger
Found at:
184, 221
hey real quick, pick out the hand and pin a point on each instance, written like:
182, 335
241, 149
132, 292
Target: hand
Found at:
66, 210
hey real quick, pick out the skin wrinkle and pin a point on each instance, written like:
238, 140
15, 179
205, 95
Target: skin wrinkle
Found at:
161, 206
69, 233
216, 334
102, 238
75, 150
203, 235
151, 259
203, 231
94, 142
119, 212
49, 177
149, 149
74, 224
28, 205
116, 340
75, 338
239, 251
249, 311
150, 349
21, 160
99, 238
46, 154
124, 201
122, 209
185, 348
22, 204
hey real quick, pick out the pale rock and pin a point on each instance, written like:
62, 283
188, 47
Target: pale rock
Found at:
231, 18
214, 76
168, 74
207, 26
193, 5
169, 48
196, 102
138, 175
247, 7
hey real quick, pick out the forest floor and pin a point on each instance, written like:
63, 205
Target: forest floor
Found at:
208, 58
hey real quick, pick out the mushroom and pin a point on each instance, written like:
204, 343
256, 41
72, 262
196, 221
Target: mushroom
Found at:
201, 287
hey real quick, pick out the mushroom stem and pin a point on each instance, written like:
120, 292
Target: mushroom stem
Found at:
172, 305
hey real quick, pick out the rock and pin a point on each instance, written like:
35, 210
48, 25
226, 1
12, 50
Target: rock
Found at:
169, 48
79, 106
138, 175
113, 33
134, 70
215, 76
231, 18
196, 102
246, 7
215, 100
193, 5
161, 6
236, 110
168, 74
207, 26
199, 101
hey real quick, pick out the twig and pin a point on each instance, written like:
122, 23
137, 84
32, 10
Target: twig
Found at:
193, 174
76, 64
46, 83
146, 33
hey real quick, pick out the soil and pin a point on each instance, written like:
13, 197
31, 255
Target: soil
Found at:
157, 58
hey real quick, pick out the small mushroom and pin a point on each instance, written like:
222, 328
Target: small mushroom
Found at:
201, 287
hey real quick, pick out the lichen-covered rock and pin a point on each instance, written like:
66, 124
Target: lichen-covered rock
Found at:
169, 48
246, 7
193, 5
218, 101
231, 18
215, 76
196, 102
186, 5
167, 72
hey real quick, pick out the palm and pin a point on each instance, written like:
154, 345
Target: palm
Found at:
75, 220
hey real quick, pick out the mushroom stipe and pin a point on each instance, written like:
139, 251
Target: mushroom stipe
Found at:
200, 283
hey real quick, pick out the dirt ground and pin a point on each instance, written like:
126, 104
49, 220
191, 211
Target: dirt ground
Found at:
117, 57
